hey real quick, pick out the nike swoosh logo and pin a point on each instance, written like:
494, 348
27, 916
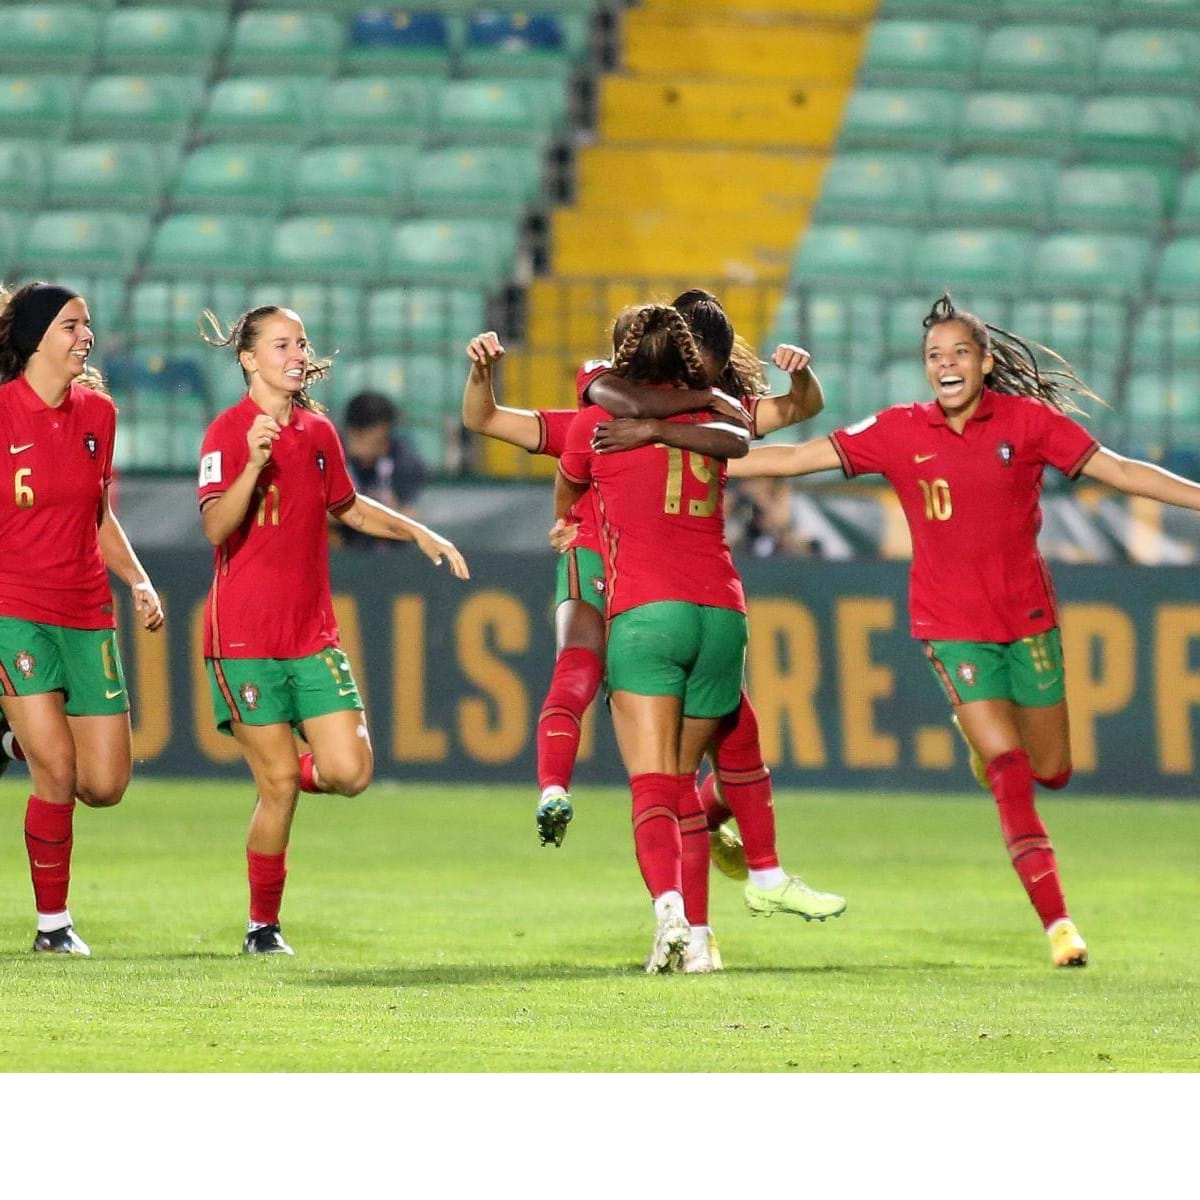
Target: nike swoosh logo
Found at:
920, 458
346, 691
17, 449
112, 695
1039, 878
1043, 686
557, 733
45, 866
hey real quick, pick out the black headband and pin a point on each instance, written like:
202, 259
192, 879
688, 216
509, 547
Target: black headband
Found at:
34, 311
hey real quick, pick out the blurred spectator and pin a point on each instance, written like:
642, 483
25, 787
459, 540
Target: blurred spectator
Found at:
761, 519
382, 463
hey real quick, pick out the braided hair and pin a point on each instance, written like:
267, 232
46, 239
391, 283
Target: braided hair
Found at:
1016, 370
13, 360
242, 336
741, 371
656, 346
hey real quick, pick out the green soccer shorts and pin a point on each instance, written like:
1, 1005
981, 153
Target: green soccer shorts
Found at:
281, 691
671, 648
1028, 672
83, 664
581, 577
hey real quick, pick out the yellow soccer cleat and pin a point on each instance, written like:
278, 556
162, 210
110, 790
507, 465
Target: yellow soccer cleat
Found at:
1067, 947
978, 766
795, 897
727, 852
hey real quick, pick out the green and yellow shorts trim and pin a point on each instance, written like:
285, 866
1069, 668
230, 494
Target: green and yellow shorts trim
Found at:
672, 648
581, 577
83, 664
281, 691
1028, 672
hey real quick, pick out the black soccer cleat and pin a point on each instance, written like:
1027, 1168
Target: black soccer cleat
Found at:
266, 939
61, 941
553, 817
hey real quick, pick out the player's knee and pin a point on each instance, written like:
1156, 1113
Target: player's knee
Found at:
101, 795
280, 785
1056, 780
53, 775
347, 778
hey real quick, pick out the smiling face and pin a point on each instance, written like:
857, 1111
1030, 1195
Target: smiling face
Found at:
65, 346
955, 364
279, 356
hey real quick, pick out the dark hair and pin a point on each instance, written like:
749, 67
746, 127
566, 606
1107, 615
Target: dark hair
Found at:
14, 360
657, 347
741, 372
242, 336
366, 409
1015, 370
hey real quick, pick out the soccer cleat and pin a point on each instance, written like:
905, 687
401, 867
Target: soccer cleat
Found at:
670, 941
553, 816
61, 941
978, 766
266, 939
727, 852
794, 896
704, 962
1067, 948
5, 742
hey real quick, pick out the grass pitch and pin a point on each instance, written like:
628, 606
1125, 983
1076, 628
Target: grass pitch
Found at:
434, 934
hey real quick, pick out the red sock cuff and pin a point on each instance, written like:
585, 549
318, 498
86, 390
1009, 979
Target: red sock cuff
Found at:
1055, 782
48, 822
1002, 762
654, 794
308, 778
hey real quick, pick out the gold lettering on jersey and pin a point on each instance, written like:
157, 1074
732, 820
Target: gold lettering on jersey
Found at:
268, 505
701, 469
938, 506
22, 491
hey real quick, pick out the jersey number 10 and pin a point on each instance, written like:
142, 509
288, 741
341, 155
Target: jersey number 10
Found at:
937, 500
701, 468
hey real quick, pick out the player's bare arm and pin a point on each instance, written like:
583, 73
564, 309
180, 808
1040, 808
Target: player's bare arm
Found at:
480, 412
221, 516
1137, 478
623, 398
714, 440
377, 520
567, 493
801, 402
120, 559
807, 458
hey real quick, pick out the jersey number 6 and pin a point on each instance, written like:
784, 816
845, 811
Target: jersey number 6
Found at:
701, 468
22, 492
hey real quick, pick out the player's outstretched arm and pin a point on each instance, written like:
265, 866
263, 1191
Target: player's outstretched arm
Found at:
480, 412
807, 458
377, 520
1137, 478
801, 402
622, 398
713, 440
120, 559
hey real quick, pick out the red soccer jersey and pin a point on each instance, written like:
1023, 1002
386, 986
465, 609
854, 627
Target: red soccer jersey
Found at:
61, 462
662, 522
555, 423
971, 501
270, 591
587, 375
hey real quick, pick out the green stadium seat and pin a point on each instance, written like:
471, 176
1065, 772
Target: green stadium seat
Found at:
919, 8
168, 312
1160, 406
1017, 122
387, 41
12, 228
478, 110
417, 382
262, 109
334, 315
523, 43
1150, 60
226, 176
1090, 12
983, 189
836, 326
1179, 269
875, 186
1102, 264
377, 110
926, 53
1187, 212
415, 318
904, 382
48, 37
1108, 197
1157, 12
162, 40
468, 250
207, 246
477, 180
1148, 129
1056, 57
370, 179
899, 119
905, 314
150, 107
36, 106
327, 247
1085, 332
961, 259
22, 175
288, 43
80, 241
850, 256
1168, 335
105, 175
106, 300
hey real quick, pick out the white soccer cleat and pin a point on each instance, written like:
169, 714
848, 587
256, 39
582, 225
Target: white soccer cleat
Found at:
705, 960
671, 936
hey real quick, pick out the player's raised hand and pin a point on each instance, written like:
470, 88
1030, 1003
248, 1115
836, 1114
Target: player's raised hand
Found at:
732, 409
436, 548
260, 437
562, 536
789, 358
148, 605
627, 433
484, 350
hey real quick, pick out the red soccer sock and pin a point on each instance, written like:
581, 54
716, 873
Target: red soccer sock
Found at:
1055, 782
48, 839
573, 685
267, 874
746, 785
716, 811
693, 834
1025, 836
308, 774
656, 836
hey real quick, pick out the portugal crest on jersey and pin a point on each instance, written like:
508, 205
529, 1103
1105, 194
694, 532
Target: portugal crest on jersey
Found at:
598, 584
321, 461
89, 440
25, 662
968, 673
249, 693
1005, 453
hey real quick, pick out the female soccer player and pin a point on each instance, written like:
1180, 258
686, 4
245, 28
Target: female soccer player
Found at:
967, 468
271, 468
60, 669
